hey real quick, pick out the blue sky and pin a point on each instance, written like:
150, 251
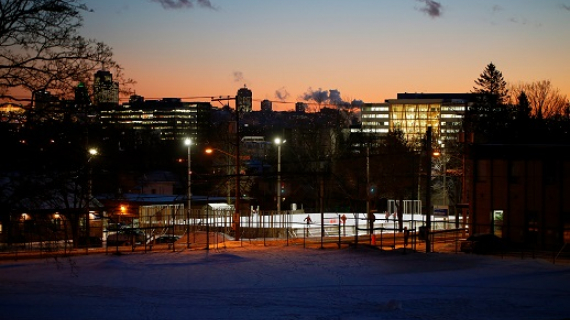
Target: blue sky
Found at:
367, 49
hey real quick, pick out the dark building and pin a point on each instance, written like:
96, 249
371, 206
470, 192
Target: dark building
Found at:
300, 107
266, 106
244, 100
520, 193
82, 95
105, 90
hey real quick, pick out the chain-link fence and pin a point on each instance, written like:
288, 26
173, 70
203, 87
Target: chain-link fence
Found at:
170, 228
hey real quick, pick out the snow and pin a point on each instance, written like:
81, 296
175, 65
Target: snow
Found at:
284, 282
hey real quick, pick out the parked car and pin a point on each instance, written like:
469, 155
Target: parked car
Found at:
166, 238
482, 243
125, 237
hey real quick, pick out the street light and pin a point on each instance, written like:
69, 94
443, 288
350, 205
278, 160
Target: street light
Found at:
92, 153
428, 188
210, 151
188, 142
278, 142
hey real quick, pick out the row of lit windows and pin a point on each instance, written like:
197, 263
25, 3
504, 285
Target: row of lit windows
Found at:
376, 124
453, 108
376, 130
416, 107
443, 130
448, 115
451, 124
373, 116
149, 112
378, 109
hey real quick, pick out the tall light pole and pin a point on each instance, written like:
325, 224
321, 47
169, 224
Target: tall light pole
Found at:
428, 188
228, 155
278, 143
367, 181
92, 153
188, 143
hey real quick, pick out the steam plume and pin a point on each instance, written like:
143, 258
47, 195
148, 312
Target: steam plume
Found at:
281, 94
182, 4
431, 8
238, 76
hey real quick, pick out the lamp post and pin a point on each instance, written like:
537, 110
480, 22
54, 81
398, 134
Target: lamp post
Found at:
428, 189
92, 153
278, 143
188, 143
236, 218
367, 181
228, 155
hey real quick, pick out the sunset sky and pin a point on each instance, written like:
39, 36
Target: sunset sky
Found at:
369, 50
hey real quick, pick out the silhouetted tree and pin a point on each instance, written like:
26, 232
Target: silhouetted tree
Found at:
545, 101
488, 117
41, 49
491, 86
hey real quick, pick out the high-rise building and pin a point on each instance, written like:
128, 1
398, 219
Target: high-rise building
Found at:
300, 107
105, 90
82, 95
244, 100
266, 105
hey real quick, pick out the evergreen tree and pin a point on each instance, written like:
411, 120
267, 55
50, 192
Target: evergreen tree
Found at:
523, 109
488, 118
491, 86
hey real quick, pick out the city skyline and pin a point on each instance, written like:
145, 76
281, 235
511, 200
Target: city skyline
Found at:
365, 50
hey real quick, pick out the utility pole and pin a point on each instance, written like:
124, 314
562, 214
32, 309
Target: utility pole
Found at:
236, 217
428, 189
368, 181
188, 143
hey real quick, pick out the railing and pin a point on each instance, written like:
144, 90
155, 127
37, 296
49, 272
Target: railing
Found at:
214, 230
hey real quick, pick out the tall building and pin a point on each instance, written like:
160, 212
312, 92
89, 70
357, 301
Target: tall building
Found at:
43, 99
244, 100
266, 105
300, 107
82, 95
105, 90
413, 113
375, 122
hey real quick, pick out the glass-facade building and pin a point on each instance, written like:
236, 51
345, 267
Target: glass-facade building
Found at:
414, 113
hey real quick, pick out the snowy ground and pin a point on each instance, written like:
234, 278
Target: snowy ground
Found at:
256, 282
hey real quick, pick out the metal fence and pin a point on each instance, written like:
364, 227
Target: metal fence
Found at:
214, 230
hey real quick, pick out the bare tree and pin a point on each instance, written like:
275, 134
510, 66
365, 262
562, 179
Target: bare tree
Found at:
545, 100
41, 49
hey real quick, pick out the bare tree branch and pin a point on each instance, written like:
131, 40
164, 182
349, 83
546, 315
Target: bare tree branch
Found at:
41, 49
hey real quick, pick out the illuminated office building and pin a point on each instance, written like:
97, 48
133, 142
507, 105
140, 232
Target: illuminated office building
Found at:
244, 100
171, 118
413, 113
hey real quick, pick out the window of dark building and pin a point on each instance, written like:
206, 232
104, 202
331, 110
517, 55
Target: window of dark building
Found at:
550, 172
566, 226
482, 174
531, 230
516, 171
